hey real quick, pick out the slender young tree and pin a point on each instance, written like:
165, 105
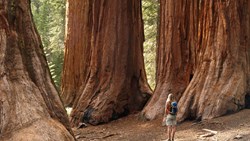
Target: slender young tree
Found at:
30, 108
114, 76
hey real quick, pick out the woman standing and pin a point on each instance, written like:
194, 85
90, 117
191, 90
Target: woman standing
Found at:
171, 111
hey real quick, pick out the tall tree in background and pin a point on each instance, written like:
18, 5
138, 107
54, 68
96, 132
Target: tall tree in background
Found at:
49, 17
173, 55
115, 84
78, 50
221, 78
29, 103
150, 13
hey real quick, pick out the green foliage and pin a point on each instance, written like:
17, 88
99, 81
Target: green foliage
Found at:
49, 17
150, 18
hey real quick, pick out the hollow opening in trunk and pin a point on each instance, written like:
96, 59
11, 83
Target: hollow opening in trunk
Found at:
247, 101
191, 77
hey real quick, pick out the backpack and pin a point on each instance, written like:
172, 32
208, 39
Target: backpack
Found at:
173, 108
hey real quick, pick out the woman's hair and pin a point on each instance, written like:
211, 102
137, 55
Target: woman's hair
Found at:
170, 97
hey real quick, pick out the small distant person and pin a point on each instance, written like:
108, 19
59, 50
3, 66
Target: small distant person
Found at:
171, 112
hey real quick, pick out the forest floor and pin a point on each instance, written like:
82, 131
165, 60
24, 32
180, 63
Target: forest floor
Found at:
235, 127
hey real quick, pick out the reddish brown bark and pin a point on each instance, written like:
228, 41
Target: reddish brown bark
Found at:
30, 108
208, 40
221, 80
174, 53
77, 50
116, 82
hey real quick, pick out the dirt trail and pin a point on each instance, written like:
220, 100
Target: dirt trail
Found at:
131, 129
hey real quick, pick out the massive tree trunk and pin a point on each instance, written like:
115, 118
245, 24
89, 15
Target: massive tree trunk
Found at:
221, 80
30, 108
206, 47
77, 50
114, 69
174, 60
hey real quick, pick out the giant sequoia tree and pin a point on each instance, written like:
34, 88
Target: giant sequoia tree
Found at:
76, 67
30, 108
173, 54
105, 37
221, 79
212, 53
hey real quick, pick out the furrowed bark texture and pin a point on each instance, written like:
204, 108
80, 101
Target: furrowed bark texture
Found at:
221, 80
30, 108
77, 50
116, 82
175, 47
203, 58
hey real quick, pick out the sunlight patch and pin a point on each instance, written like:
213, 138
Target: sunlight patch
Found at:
68, 109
